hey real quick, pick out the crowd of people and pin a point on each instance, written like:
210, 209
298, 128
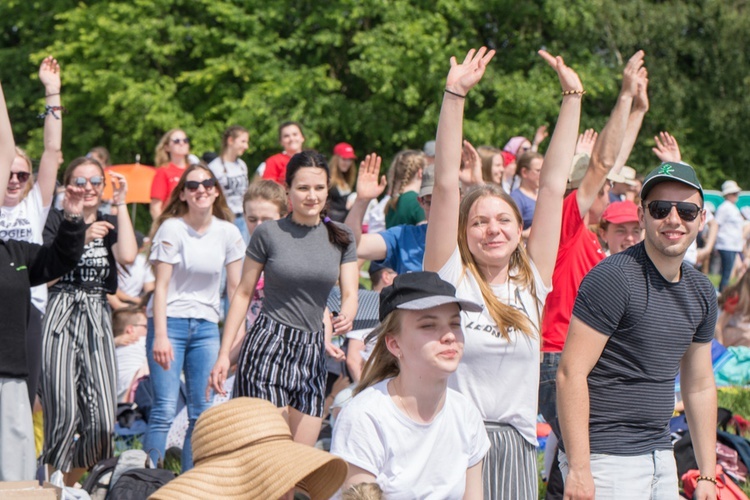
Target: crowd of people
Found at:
509, 286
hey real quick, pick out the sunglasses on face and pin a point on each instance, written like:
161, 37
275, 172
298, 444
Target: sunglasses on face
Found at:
185, 140
206, 183
21, 176
95, 181
687, 211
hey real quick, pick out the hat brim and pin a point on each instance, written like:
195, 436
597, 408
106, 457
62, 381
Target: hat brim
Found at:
622, 219
263, 470
731, 191
437, 301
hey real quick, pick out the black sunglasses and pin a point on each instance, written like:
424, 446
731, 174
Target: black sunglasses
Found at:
95, 181
186, 140
21, 176
206, 183
660, 209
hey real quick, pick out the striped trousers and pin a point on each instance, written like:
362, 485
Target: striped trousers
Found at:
509, 471
79, 387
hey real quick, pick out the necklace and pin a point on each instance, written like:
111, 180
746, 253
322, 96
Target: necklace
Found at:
408, 414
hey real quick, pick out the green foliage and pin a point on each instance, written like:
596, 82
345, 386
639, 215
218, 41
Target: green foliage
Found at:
735, 399
371, 72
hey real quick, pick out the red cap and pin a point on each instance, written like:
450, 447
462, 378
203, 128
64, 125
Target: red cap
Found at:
508, 158
621, 212
344, 150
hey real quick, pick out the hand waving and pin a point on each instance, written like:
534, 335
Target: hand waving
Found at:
471, 166
462, 77
569, 79
641, 97
368, 187
120, 185
49, 74
633, 73
586, 141
667, 148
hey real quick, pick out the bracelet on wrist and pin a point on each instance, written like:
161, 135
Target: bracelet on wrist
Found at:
50, 95
706, 478
50, 110
447, 91
119, 204
72, 217
573, 92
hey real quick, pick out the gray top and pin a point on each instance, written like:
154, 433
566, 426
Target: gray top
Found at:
301, 267
650, 323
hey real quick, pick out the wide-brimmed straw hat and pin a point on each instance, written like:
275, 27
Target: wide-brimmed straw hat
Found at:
243, 449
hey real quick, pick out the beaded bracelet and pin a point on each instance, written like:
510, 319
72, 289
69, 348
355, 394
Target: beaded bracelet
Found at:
50, 110
573, 92
455, 94
706, 478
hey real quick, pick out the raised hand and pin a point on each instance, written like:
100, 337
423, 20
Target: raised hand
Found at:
569, 79
586, 141
49, 74
368, 187
667, 148
73, 201
632, 74
98, 229
471, 166
120, 187
540, 135
640, 103
462, 77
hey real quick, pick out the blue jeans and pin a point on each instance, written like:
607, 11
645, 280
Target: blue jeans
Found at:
195, 343
727, 263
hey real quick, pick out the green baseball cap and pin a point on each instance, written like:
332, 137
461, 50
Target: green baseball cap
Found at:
671, 171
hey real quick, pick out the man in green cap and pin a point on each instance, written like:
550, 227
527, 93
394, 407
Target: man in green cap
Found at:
640, 316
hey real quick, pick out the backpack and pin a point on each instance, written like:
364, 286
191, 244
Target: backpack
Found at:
139, 484
726, 489
97, 482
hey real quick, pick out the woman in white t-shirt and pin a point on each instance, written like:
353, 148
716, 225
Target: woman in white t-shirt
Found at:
231, 172
195, 239
404, 429
487, 263
27, 203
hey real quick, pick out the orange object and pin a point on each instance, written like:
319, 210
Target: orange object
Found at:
543, 429
139, 178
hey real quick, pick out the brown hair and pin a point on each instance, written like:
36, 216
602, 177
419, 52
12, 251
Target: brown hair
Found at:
177, 207
124, 317
161, 155
268, 190
381, 364
102, 153
519, 268
77, 163
741, 290
363, 491
487, 153
341, 180
404, 168
231, 133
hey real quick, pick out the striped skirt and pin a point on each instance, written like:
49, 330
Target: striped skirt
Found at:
510, 465
79, 388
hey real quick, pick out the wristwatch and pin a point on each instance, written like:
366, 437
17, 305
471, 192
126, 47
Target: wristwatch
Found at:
72, 217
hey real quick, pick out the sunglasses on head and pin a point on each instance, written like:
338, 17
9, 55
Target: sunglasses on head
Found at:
178, 140
95, 181
687, 211
21, 176
206, 183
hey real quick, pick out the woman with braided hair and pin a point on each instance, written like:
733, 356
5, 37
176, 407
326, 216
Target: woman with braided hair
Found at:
405, 176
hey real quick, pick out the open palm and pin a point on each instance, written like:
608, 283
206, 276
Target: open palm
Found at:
462, 77
569, 79
49, 72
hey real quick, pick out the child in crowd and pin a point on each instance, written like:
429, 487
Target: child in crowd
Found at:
129, 326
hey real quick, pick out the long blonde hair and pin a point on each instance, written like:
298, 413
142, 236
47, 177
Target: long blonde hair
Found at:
487, 153
177, 207
505, 316
381, 364
406, 165
161, 156
343, 181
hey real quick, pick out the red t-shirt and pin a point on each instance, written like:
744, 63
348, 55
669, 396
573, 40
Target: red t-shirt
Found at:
579, 252
165, 180
276, 168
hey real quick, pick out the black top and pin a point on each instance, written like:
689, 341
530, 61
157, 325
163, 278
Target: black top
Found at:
337, 204
97, 268
23, 265
650, 323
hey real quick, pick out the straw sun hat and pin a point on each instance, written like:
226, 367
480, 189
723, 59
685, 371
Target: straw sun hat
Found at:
243, 450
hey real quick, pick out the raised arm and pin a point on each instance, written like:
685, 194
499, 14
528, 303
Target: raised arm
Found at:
7, 146
545, 229
49, 75
369, 246
635, 120
667, 148
609, 142
126, 248
442, 238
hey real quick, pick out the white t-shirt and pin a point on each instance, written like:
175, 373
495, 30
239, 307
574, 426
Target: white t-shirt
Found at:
25, 222
730, 222
197, 260
375, 215
130, 279
232, 176
411, 460
130, 359
500, 377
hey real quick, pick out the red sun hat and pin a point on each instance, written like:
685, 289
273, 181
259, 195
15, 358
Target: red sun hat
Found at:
344, 150
621, 212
